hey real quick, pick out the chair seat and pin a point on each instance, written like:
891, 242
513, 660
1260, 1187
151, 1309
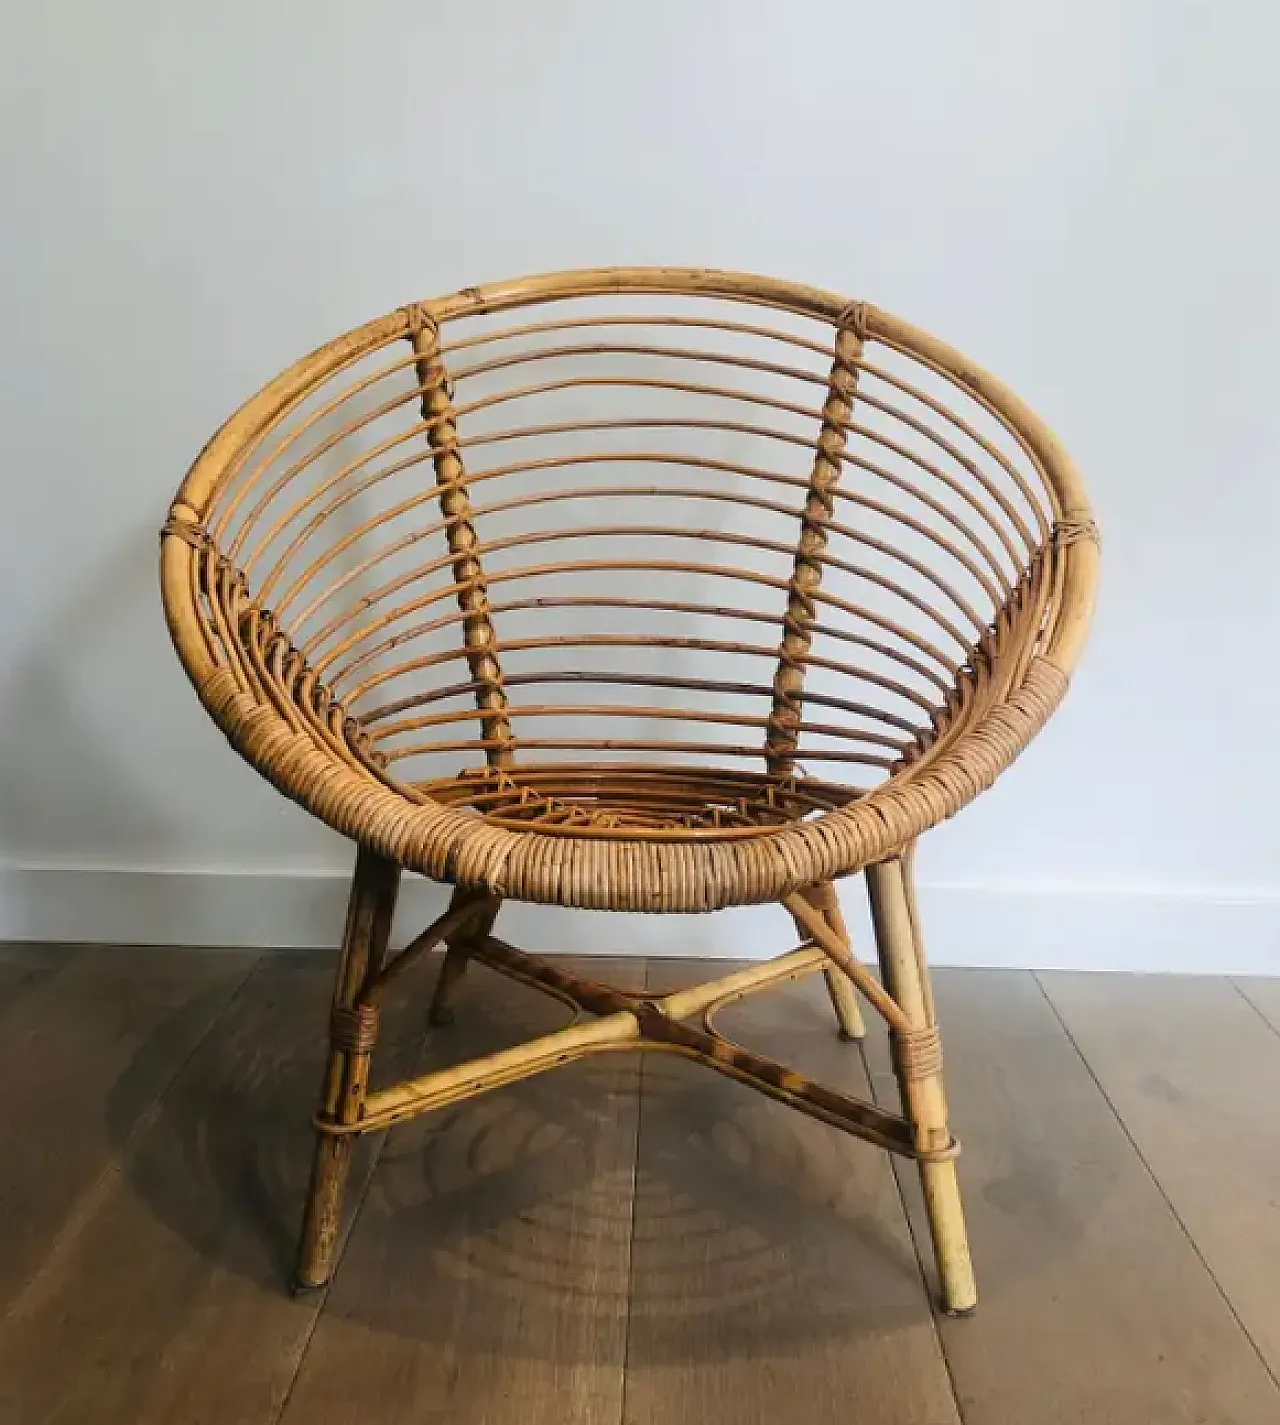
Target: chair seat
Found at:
615, 838
449, 579
667, 802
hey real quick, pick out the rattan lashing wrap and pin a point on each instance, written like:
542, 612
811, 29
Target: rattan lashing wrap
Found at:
282, 717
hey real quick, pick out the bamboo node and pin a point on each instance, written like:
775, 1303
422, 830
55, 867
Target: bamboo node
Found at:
949, 1151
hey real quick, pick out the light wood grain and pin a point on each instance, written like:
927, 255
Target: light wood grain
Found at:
1095, 1305
486, 1278
84, 1057
169, 1301
773, 1273
1194, 1073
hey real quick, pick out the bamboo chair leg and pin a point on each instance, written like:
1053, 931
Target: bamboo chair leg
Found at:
364, 945
845, 1004
919, 1068
844, 999
457, 952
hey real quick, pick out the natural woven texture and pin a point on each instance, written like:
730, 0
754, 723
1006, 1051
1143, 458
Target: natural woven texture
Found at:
354, 1028
413, 578
918, 1052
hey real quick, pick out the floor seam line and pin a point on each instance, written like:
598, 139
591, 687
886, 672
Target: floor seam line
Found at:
340, 1251
114, 1165
934, 1320
1159, 1186
631, 1237
1274, 1028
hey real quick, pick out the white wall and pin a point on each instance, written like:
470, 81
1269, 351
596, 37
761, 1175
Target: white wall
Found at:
1082, 195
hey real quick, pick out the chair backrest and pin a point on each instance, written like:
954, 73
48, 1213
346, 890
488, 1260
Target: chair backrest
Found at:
641, 519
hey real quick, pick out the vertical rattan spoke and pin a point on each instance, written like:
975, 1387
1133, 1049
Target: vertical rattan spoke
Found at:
819, 507
455, 504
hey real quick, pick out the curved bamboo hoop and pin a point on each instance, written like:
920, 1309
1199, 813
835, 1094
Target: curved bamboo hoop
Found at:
963, 537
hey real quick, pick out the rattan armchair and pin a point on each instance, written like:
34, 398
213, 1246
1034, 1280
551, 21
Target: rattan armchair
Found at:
653, 590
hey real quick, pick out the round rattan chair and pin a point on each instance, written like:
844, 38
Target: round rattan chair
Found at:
639, 590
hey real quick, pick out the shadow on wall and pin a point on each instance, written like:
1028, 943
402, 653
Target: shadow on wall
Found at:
98, 728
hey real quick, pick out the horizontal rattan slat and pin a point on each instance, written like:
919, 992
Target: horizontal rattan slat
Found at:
909, 546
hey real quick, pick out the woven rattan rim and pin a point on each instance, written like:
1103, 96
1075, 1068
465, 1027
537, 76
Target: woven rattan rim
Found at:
282, 719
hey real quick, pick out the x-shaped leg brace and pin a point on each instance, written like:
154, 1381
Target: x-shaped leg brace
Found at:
627, 1020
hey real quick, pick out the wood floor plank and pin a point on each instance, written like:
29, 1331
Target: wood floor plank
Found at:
154, 1195
1094, 1305
1263, 995
25, 967
1193, 1072
774, 1277
171, 1298
84, 1056
486, 1278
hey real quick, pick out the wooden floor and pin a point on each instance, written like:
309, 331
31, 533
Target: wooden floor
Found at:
626, 1240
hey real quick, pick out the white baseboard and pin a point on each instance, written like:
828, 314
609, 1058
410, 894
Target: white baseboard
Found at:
1139, 930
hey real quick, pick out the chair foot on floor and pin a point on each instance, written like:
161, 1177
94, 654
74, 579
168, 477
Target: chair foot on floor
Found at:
950, 1241
453, 967
918, 1064
322, 1222
844, 998
849, 1022
364, 943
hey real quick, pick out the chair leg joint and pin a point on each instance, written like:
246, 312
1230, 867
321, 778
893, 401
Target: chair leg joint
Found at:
353, 1029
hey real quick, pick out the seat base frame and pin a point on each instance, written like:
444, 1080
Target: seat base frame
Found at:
608, 1020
